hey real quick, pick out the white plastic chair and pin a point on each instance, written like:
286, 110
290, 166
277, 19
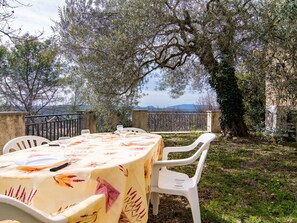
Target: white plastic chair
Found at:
23, 142
133, 129
175, 183
13, 209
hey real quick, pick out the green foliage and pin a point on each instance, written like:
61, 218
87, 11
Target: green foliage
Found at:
116, 44
253, 91
108, 120
29, 74
76, 90
99, 53
277, 34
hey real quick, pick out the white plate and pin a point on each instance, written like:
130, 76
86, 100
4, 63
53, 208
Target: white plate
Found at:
5, 163
136, 142
41, 161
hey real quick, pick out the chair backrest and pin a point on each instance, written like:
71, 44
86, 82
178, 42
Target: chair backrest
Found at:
23, 142
205, 139
133, 129
13, 209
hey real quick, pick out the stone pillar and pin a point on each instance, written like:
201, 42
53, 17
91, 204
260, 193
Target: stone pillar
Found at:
12, 124
213, 121
140, 119
276, 123
88, 120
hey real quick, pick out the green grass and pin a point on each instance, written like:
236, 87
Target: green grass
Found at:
244, 180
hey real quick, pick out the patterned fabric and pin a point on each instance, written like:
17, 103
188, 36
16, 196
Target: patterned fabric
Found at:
9, 221
108, 179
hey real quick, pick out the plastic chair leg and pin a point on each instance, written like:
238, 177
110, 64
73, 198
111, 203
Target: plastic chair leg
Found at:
193, 199
155, 200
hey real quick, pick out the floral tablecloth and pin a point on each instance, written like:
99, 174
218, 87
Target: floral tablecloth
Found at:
107, 180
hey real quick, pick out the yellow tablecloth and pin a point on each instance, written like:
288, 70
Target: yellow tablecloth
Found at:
107, 181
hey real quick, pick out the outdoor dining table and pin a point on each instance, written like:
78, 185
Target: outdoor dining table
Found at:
106, 177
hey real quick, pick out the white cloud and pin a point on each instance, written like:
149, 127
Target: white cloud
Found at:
38, 17
162, 99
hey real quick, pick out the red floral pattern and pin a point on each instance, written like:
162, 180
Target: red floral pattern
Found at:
108, 190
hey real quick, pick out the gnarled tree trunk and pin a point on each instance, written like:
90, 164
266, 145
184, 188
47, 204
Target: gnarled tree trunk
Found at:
231, 101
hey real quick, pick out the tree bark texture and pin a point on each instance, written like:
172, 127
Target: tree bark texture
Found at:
231, 101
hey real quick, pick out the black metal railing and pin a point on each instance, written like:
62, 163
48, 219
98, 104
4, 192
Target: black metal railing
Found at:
177, 121
54, 126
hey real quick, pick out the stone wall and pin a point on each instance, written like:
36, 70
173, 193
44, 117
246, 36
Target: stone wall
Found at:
213, 121
12, 124
88, 120
140, 119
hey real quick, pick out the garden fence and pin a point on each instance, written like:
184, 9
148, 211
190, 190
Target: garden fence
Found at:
53, 126
176, 121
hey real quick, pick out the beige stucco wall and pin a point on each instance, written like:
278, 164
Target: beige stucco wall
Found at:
213, 121
278, 102
140, 119
277, 110
12, 124
88, 120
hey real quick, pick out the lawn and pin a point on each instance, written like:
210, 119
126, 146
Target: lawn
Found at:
248, 180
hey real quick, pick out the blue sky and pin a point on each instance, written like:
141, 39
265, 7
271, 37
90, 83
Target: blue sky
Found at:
39, 18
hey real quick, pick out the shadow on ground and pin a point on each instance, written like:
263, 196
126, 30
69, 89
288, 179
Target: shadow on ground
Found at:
175, 209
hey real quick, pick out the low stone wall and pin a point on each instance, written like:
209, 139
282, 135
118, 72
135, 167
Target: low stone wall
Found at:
88, 120
213, 121
12, 124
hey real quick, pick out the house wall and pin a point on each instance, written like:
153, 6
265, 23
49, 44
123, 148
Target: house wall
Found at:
277, 110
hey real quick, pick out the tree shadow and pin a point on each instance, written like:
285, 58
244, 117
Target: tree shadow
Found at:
176, 209
215, 218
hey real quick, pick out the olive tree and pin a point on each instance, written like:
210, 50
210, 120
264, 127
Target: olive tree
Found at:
29, 74
118, 43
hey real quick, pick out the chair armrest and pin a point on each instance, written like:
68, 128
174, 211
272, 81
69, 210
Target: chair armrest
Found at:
86, 207
164, 163
167, 150
180, 162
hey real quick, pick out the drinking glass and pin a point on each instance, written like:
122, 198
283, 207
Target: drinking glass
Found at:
85, 132
64, 141
120, 129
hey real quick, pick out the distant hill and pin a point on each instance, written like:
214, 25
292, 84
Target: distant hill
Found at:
180, 107
62, 109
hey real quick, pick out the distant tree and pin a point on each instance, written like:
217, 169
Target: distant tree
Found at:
29, 74
208, 100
